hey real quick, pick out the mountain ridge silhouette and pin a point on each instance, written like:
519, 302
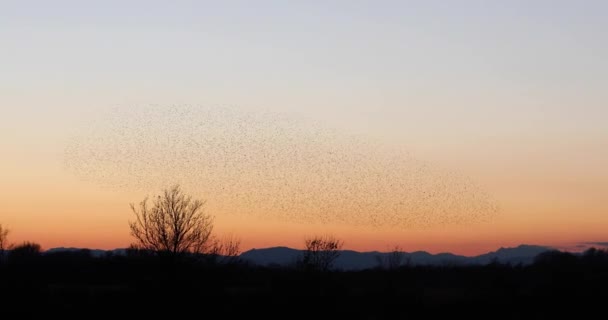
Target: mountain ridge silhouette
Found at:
358, 260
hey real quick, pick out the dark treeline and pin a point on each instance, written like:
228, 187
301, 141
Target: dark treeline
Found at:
558, 284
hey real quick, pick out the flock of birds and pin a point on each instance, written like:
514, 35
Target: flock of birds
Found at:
271, 166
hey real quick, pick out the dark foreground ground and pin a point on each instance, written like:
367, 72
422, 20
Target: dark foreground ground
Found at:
71, 285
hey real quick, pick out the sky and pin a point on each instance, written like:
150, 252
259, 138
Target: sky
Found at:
509, 94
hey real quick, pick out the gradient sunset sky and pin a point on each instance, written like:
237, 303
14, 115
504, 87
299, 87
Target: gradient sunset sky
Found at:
512, 95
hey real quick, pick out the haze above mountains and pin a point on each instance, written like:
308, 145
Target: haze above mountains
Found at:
354, 260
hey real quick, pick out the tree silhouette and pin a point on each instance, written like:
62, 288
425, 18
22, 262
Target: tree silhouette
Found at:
393, 259
3, 241
25, 253
594, 256
321, 252
226, 248
174, 225
555, 259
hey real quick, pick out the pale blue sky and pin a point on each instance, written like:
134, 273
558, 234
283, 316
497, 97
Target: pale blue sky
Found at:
441, 65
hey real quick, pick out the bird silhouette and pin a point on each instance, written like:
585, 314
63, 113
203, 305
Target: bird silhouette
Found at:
272, 166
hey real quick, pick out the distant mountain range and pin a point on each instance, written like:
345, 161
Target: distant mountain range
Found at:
353, 260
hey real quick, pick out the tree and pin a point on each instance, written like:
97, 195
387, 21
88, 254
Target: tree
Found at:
27, 252
594, 256
226, 248
175, 225
321, 252
555, 259
393, 259
3, 241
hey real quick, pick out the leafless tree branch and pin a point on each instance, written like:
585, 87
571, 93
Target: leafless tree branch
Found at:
321, 252
3, 241
175, 224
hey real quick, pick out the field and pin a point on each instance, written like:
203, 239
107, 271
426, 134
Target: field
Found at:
77, 284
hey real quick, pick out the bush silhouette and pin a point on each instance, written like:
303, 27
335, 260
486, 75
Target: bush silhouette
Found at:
27, 252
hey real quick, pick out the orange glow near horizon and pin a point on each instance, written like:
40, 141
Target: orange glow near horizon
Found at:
76, 215
42, 203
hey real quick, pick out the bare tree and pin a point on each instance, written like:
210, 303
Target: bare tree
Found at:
3, 241
393, 259
174, 225
321, 252
226, 248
